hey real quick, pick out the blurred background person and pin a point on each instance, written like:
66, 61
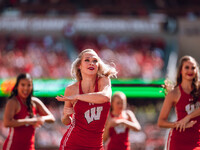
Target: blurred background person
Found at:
185, 98
21, 115
118, 124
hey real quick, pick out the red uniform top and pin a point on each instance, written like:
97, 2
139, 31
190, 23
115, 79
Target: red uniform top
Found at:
190, 138
23, 137
118, 137
86, 130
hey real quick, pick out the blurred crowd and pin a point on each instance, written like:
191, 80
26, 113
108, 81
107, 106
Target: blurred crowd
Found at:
108, 7
49, 57
150, 137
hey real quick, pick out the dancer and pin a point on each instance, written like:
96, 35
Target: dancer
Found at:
20, 115
119, 122
185, 134
88, 100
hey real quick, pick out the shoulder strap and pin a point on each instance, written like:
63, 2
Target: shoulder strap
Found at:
181, 89
19, 100
80, 89
96, 86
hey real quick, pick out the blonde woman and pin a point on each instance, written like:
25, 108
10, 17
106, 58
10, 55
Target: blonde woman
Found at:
87, 102
119, 122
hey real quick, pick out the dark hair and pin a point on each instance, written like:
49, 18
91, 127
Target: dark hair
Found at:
195, 82
14, 92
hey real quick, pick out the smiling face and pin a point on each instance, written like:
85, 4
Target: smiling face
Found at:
24, 88
189, 70
89, 63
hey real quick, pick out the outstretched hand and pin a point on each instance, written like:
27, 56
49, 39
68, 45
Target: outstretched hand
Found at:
66, 98
185, 123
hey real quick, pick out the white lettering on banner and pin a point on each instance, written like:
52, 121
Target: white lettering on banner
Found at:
191, 107
96, 25
93, 114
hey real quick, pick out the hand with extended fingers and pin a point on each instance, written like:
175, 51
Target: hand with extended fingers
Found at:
184, 123
66, 98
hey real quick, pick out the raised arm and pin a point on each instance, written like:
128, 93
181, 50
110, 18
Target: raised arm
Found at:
104, 94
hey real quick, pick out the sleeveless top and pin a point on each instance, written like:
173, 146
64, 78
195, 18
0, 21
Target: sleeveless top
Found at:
119, 137
190, 138
22, 137
87, 126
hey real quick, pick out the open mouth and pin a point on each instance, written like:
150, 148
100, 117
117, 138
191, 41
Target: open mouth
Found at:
91, 68
26, 93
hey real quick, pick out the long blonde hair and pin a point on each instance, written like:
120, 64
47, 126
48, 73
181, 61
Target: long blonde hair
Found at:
103, 70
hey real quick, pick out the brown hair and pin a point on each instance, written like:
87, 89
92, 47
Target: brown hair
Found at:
195, 82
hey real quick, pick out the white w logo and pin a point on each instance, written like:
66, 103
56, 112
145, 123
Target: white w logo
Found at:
93, 114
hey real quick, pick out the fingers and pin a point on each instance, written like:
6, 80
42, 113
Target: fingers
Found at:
177, 125
182, 126
191, 124
66, 98
60, 98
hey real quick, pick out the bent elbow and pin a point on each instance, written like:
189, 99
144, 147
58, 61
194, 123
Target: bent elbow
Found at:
104, 99
159, 124
52, 119
66, 122
139, 128
6, 124
107, 99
